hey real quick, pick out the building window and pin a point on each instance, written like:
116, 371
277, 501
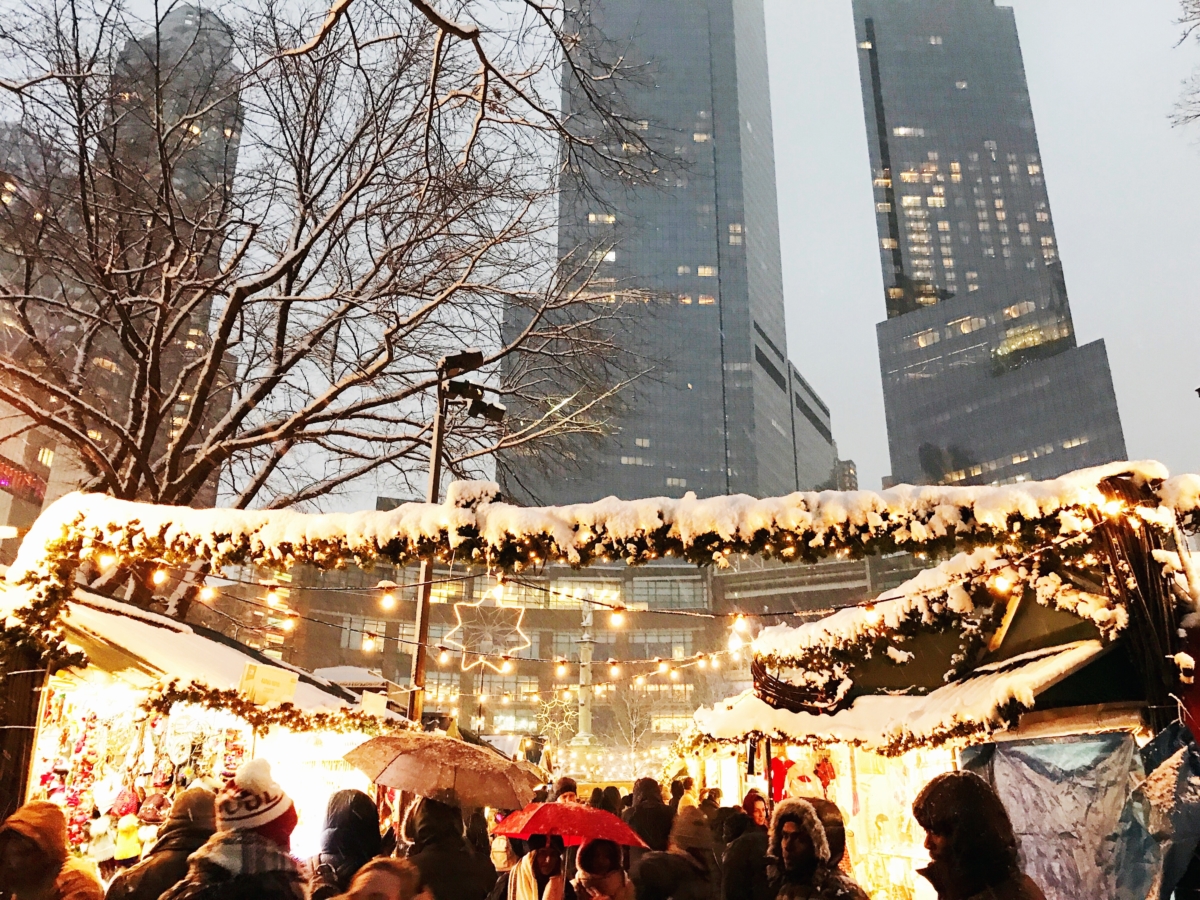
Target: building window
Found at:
684, 270
642, 442
935, 40
936, 201
677, 482
888, 243
908, 131
706, 271
883, 207
662, 643
601, 218
46, 457
685, 299
921, 339
966, 325
670, 593
707, 300
961, 85
700, 137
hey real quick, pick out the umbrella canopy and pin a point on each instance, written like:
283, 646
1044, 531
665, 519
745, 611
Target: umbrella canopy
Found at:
444, 769
573, 822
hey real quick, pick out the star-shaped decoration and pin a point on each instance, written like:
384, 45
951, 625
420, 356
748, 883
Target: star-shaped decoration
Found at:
486, 632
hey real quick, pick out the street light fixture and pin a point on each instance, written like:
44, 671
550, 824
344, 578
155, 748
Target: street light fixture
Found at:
449, 368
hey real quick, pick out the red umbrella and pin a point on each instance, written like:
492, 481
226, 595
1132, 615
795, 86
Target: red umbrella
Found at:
573, 822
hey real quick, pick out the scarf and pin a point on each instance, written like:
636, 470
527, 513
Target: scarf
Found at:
522, 882
244, 853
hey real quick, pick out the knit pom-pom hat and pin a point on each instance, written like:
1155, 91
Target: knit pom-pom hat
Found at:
252, 799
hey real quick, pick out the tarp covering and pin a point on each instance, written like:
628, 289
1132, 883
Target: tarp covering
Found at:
1070, 805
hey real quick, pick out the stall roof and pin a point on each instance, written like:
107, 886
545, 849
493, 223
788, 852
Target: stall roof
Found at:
146, 649
352, 677
892, 723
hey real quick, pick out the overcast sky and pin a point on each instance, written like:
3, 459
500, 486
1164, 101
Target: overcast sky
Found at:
1124, 187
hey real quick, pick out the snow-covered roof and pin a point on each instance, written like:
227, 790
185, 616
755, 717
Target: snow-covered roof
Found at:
980, 704
351, 676
808, 524
150, 648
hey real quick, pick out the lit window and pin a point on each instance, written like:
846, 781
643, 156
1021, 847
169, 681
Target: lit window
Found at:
936, 201
700, 137
943, 226
684, 270
888, 243
105, 363
910, 201
961, 85
1024, 308
883, 207
1023, 228
935, 40
643, 125
1001, 216
93, 434
883, 182
685, 299
601, 218
910, 177
922, 339
676, 482
735, 240
706, 271
908, 131
1047, 242
896, 293
1043, 217
46, 457
865, 45
706, 300
1075, 442
735, 227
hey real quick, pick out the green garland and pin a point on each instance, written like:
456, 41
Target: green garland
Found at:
263, 718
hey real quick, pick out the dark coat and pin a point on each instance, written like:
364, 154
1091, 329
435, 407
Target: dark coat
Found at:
239, 865
673, 876
745, 865
649, 817
500, 891
449, 868
349, 840
825, 881
164, 866
1015, 887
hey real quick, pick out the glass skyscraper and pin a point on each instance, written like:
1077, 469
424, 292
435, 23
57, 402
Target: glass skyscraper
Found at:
983, 380
722, 410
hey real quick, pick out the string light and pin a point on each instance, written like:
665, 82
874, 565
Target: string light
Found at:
1002, 583
288, 624
614, 671
207, 594
662, 668
506, 667
106, 560
368, 644
159, 576
272, 599
617, 619
561, 669
739, 624
443, 657
387, 601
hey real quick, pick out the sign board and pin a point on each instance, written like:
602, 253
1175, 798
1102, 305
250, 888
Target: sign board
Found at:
374, 704
263, 685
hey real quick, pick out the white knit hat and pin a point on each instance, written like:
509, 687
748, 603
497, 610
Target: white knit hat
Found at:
252, 799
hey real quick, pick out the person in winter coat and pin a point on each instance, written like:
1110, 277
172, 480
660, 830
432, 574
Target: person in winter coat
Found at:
970, 841
35, 863
449, 868
649, 817
755, 806
744, 863
190, 823
612, 800
689, 798
601, 876
800, 864
687, 870
539, 875
386, 879
248, 858
350, 838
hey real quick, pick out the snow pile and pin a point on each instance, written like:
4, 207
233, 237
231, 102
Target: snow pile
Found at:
803, 525
983, 703
351, 676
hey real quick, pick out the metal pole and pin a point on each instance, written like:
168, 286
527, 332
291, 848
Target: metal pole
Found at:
585, 676
416, 698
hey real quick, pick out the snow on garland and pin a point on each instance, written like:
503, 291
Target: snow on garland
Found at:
263, 718
803, 526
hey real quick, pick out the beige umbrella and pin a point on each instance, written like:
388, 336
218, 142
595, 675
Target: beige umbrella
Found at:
444, 769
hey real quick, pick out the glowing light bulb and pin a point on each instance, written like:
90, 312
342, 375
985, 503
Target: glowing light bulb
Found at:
159, 576
662, 668
735, 643
674, 674
498, 592
617, 619
702, 662
614, 671
566, 695
716, 662
207, 594
640, 680
288, 624
506, 700
107, 560
506, 666
1002, 583
443, 658
739, 624
272, 599
368, 644
561, 670
388, 601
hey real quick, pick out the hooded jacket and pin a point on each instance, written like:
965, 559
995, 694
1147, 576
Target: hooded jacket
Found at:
827, 881
239, 865
350, 839
688, 871
192, 822
44, 823
649, 817
449, 868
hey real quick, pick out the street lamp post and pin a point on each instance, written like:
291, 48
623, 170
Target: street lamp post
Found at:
448, 367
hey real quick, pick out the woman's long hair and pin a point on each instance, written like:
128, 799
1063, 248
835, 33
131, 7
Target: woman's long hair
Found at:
966, 811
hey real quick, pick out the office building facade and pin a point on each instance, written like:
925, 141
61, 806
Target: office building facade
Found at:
722, 409
983, 378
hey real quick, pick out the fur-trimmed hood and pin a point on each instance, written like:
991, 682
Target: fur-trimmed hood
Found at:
805, 815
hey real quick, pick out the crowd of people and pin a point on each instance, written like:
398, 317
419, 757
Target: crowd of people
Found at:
235, 845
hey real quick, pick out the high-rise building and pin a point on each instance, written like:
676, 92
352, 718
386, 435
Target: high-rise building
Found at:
983, 379
722, 409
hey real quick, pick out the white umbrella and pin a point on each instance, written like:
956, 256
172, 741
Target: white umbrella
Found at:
444, 769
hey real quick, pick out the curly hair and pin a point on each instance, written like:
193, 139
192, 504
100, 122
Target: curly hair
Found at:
967, 812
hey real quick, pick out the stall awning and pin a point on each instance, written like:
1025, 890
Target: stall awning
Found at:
893, 723
145, 649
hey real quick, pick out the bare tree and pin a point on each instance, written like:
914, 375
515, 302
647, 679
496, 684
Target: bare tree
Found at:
237, 241
631, 720
1189, 105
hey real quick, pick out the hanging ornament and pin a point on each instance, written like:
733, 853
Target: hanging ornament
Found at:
485, 633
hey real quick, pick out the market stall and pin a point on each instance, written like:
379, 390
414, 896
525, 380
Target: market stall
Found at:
162, 704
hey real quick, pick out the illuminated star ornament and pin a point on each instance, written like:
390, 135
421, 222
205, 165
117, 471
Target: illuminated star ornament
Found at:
486, 632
